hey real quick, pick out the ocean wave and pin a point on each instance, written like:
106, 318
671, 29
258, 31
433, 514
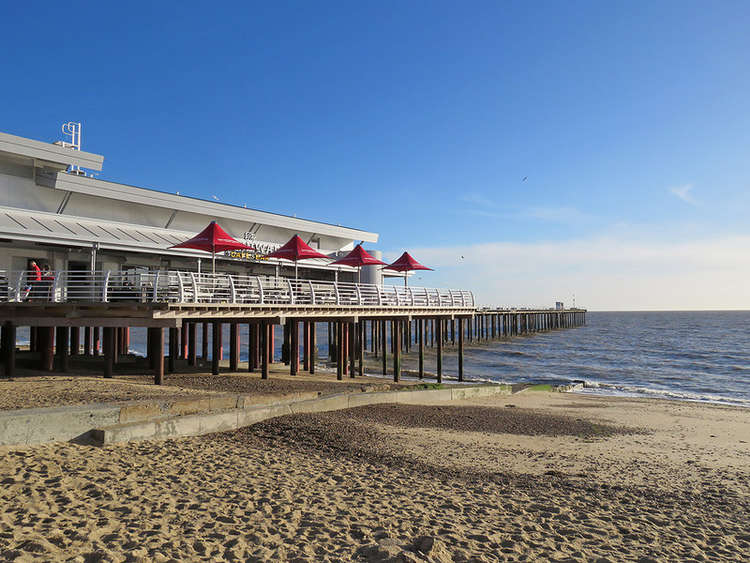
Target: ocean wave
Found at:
624, 390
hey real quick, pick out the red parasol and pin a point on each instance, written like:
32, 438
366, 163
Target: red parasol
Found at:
357, 258
406, 263
296, 250
212, 239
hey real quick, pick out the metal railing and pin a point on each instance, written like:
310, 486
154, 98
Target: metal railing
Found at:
159, 286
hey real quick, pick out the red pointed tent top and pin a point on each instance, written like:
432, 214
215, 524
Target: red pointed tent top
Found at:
212, 239
294, 250
406, 263
359, 257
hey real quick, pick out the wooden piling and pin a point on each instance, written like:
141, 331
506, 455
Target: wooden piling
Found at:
234, 347
293, 346
361, 334
87, 341
264, 330
75, 340
62, 347
420, 334
9, 349
109, 351
352, 348
313, 348
439, 358
216, 347
45, 342
204, 341
159, 348
384, 344
460, 349
192, 344
395, 330
96, 346
339, 350
173, 349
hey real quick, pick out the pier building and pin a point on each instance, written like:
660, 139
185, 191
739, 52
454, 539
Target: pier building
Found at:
54, 209
112, 268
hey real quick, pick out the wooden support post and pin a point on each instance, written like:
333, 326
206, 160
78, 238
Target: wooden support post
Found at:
331, 354
62, 347
361, 332
306, 346
183, 353
221, 341
384, 345
75, 340
9, 349
313, 347
234, 347
293, 347
439, 338
251, 348
109, 351
45, 342
87, 341
33, 338
395, 330
344, 345
97, 342
460, 349
192, 343
339, 351
173, 349
264, 329
420, 335
159, 349
352, 330
117, 332
216, 347
285, 343
204, 341
271, 342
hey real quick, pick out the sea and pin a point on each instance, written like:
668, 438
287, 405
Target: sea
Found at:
690, 356
693, 356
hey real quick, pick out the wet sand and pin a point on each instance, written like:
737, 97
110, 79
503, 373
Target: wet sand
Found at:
534, 476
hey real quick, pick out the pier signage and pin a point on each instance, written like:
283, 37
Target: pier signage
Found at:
257, 251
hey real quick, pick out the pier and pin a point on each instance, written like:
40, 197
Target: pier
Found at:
90, 314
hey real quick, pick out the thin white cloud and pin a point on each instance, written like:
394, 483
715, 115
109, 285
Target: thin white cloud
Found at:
483, 206
683, 193
604, 272
476, 198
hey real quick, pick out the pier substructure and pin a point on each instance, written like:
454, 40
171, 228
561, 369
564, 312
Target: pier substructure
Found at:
433, 326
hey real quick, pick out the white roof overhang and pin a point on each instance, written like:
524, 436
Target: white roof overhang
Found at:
55, 156
79, 232
143, 196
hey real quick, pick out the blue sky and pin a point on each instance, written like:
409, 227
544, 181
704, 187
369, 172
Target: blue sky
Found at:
420, 120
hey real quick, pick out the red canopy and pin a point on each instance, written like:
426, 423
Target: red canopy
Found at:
212, 239
359, 257
406, 263
296, 249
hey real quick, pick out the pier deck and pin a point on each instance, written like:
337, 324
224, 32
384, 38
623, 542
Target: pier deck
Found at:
97, 309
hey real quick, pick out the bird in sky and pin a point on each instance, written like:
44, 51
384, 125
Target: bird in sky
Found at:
524, 178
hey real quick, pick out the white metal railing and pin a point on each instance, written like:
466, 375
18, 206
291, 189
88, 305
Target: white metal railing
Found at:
162, 286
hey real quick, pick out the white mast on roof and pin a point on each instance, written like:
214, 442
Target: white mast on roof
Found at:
72, 128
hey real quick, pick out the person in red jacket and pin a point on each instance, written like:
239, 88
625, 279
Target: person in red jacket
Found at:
33, 279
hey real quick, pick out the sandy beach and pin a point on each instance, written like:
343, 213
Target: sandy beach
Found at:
533, 476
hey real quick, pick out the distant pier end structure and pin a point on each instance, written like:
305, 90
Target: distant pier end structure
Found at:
84, 260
